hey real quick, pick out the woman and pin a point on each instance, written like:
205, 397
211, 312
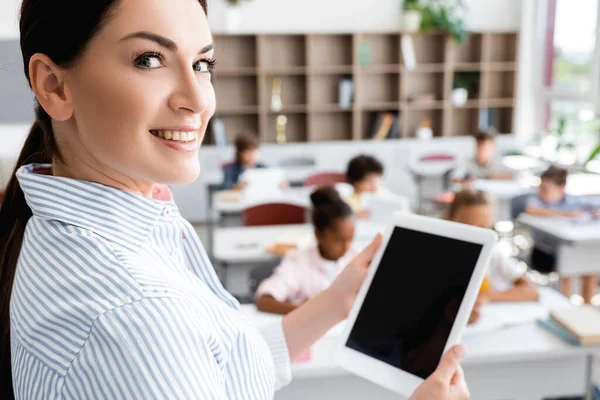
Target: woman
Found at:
111, 293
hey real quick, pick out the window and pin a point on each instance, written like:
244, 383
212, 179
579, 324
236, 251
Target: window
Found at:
570, 83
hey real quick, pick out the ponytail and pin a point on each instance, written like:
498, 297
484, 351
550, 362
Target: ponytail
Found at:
14, 214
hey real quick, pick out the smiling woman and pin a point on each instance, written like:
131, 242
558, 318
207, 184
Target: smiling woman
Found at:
105, 290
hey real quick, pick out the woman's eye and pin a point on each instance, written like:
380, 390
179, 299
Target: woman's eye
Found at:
148, 61
204, 65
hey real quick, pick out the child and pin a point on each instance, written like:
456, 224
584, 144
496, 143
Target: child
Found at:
552, 201
364, 174
485, 165
504, 281
246, 156
305, 272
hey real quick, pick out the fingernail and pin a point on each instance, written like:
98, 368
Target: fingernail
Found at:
459, 351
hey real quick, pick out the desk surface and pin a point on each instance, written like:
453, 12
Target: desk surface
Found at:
294, 175
247, 244
518, 341
503, 189
564, 229
225, 204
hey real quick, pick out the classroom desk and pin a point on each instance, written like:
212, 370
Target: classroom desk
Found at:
222, 205
214, 183
518, 361
576, 244
503, 191
239, 249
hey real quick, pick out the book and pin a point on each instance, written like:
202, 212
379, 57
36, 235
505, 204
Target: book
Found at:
583, 323
551, 326
385, 125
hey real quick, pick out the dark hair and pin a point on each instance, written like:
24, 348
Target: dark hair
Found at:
245, 141
361, 166
328, 207
468, 198
484, 136
556, 175
46, 27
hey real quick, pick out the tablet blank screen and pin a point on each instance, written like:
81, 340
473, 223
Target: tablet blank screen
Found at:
411, 305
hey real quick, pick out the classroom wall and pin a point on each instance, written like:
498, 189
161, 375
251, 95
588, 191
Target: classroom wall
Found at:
350, 16
256, 16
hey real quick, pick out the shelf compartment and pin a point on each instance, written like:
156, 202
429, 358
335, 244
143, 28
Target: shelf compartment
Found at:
465, 121
295, 131
236, 52
330, 50
293, 90
418, 84
236, 91
379, 88
331, 126
376, 49
281, 51
413, 119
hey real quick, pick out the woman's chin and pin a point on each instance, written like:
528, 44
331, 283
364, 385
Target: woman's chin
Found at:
180, 176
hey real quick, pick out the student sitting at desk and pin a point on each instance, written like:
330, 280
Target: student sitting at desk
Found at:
305, 272
485, 164
246, 156
553, 201
364, 174
505, 281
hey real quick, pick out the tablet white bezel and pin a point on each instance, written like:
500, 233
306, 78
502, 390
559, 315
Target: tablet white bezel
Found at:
384, 374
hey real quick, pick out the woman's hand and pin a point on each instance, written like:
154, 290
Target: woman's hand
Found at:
447, 382
346, 285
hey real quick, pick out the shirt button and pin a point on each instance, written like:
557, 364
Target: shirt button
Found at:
175, 252
167, 212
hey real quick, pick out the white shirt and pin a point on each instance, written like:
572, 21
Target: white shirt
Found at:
115, 298
302, 274
503, 271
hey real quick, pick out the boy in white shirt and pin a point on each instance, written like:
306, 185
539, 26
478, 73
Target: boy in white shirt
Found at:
505, 281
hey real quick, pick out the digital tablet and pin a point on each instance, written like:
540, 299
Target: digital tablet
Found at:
415, 301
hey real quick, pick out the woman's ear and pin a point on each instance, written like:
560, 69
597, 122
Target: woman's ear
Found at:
48, 83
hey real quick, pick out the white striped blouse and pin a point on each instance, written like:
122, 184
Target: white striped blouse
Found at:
115, 298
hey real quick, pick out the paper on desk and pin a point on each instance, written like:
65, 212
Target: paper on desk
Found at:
501, 315
294, 238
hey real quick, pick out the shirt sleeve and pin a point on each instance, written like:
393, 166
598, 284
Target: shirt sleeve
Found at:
149, 349
230, 176
275, 338
534, 201
507, 268
285, 282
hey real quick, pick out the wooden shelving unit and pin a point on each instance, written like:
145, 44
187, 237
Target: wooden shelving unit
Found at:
310, 67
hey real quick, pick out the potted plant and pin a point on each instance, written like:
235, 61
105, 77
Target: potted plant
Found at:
411, 15
464, 84
445, 15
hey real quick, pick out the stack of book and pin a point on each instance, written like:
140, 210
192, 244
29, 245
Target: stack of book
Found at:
578, 326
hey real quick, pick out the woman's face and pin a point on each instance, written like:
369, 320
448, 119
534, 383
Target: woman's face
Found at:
142, 94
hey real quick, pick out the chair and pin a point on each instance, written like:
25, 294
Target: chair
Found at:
325, 178
274, 214
518, 205
433, 165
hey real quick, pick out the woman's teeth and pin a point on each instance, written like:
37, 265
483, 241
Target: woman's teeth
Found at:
176, 136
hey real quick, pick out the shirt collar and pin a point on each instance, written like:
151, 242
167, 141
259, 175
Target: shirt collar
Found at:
112, 213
